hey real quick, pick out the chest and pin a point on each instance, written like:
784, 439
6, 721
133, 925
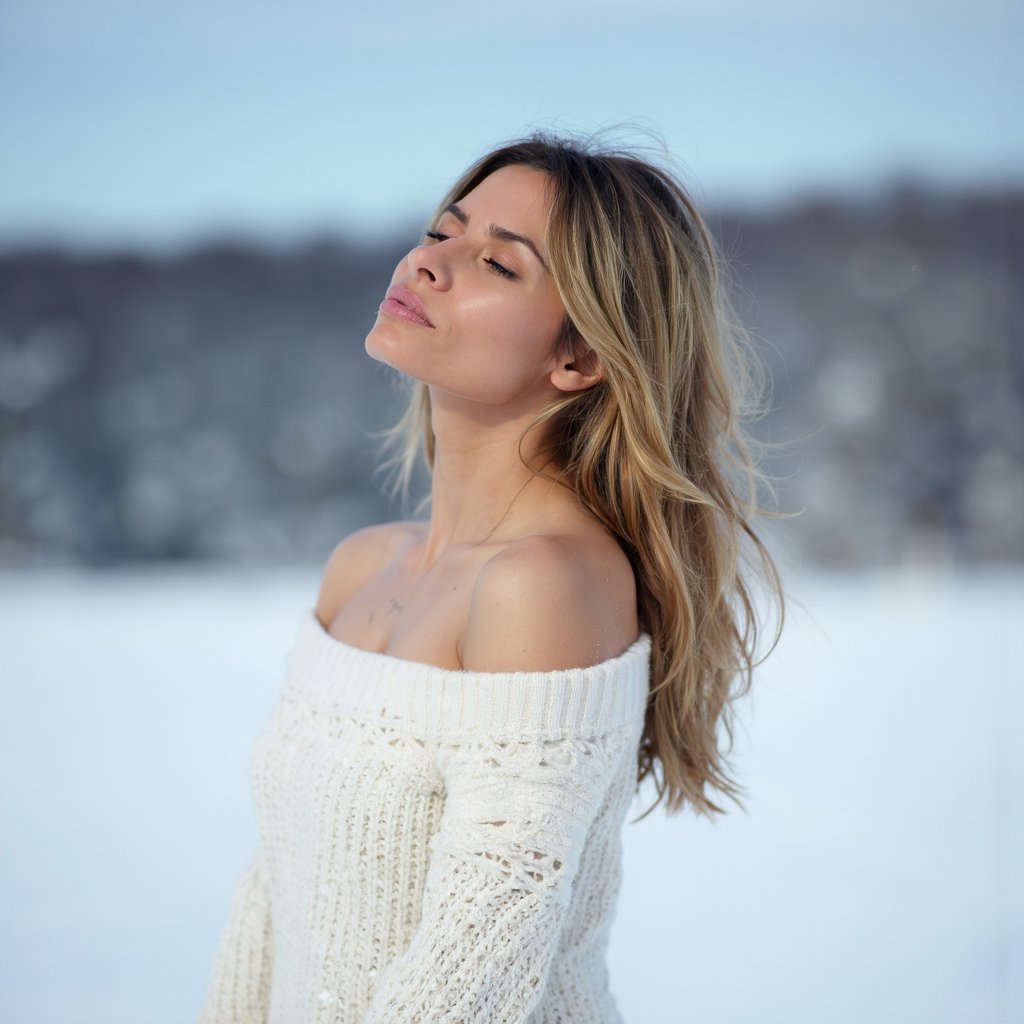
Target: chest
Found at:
416, 616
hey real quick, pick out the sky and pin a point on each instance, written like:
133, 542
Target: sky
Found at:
154, 124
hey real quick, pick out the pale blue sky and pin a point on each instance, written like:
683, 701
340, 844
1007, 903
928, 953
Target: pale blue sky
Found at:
125, 120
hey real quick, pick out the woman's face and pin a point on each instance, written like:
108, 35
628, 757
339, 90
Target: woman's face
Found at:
473, 311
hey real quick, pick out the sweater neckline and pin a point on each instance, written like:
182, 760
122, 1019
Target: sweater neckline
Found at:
334, 676
424, 668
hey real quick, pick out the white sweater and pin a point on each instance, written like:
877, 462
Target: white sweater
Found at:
435, 845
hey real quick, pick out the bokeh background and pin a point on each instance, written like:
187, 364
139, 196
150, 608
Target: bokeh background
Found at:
200, 207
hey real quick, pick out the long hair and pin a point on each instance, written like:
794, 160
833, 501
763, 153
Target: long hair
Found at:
657, 449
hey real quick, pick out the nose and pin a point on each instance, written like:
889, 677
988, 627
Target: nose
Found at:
431, 265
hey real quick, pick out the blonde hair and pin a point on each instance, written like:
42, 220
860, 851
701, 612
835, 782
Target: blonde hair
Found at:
656, 450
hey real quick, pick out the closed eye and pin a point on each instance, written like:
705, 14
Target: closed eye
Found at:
498, 268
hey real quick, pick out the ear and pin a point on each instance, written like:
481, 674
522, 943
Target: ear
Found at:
578, 373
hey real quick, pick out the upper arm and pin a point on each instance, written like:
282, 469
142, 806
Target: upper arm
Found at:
542, 605
353, 562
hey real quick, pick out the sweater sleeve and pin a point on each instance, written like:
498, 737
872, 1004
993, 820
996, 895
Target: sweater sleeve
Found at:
500, 879
239, 990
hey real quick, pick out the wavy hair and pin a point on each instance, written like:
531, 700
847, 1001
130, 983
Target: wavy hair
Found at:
657, 450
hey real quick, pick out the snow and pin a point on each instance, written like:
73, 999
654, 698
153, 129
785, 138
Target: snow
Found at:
876, 875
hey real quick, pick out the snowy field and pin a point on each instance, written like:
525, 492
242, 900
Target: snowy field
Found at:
875, 879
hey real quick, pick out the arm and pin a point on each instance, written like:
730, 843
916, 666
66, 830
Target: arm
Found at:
501, 875
239, 991
516, 815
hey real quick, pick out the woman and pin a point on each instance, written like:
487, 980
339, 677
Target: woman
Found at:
470, 706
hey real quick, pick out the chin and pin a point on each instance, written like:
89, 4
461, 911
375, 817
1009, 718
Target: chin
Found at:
379, 345
374, 346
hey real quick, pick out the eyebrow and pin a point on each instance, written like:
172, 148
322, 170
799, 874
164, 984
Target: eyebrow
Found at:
497, 232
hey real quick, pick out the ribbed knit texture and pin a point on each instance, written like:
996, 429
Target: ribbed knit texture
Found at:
435, 845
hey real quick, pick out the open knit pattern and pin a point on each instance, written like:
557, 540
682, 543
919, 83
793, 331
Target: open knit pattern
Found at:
435, 845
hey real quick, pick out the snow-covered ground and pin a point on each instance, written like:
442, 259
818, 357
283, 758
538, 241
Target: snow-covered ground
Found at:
876, 877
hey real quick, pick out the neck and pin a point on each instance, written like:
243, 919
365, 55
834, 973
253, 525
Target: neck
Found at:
481, 489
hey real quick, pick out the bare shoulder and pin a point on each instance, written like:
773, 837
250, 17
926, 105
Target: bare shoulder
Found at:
548, 602
357, 558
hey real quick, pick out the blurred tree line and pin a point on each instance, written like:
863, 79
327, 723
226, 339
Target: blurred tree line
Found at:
217, 403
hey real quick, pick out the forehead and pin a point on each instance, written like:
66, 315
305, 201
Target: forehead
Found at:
516, 197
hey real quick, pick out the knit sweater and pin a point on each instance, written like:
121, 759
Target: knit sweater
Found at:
435, 845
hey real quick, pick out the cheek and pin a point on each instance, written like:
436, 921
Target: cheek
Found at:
517, 325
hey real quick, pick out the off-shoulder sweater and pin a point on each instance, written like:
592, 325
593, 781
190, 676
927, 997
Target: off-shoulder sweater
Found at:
435, 845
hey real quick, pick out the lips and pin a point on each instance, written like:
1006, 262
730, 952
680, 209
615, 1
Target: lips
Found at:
406, 305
